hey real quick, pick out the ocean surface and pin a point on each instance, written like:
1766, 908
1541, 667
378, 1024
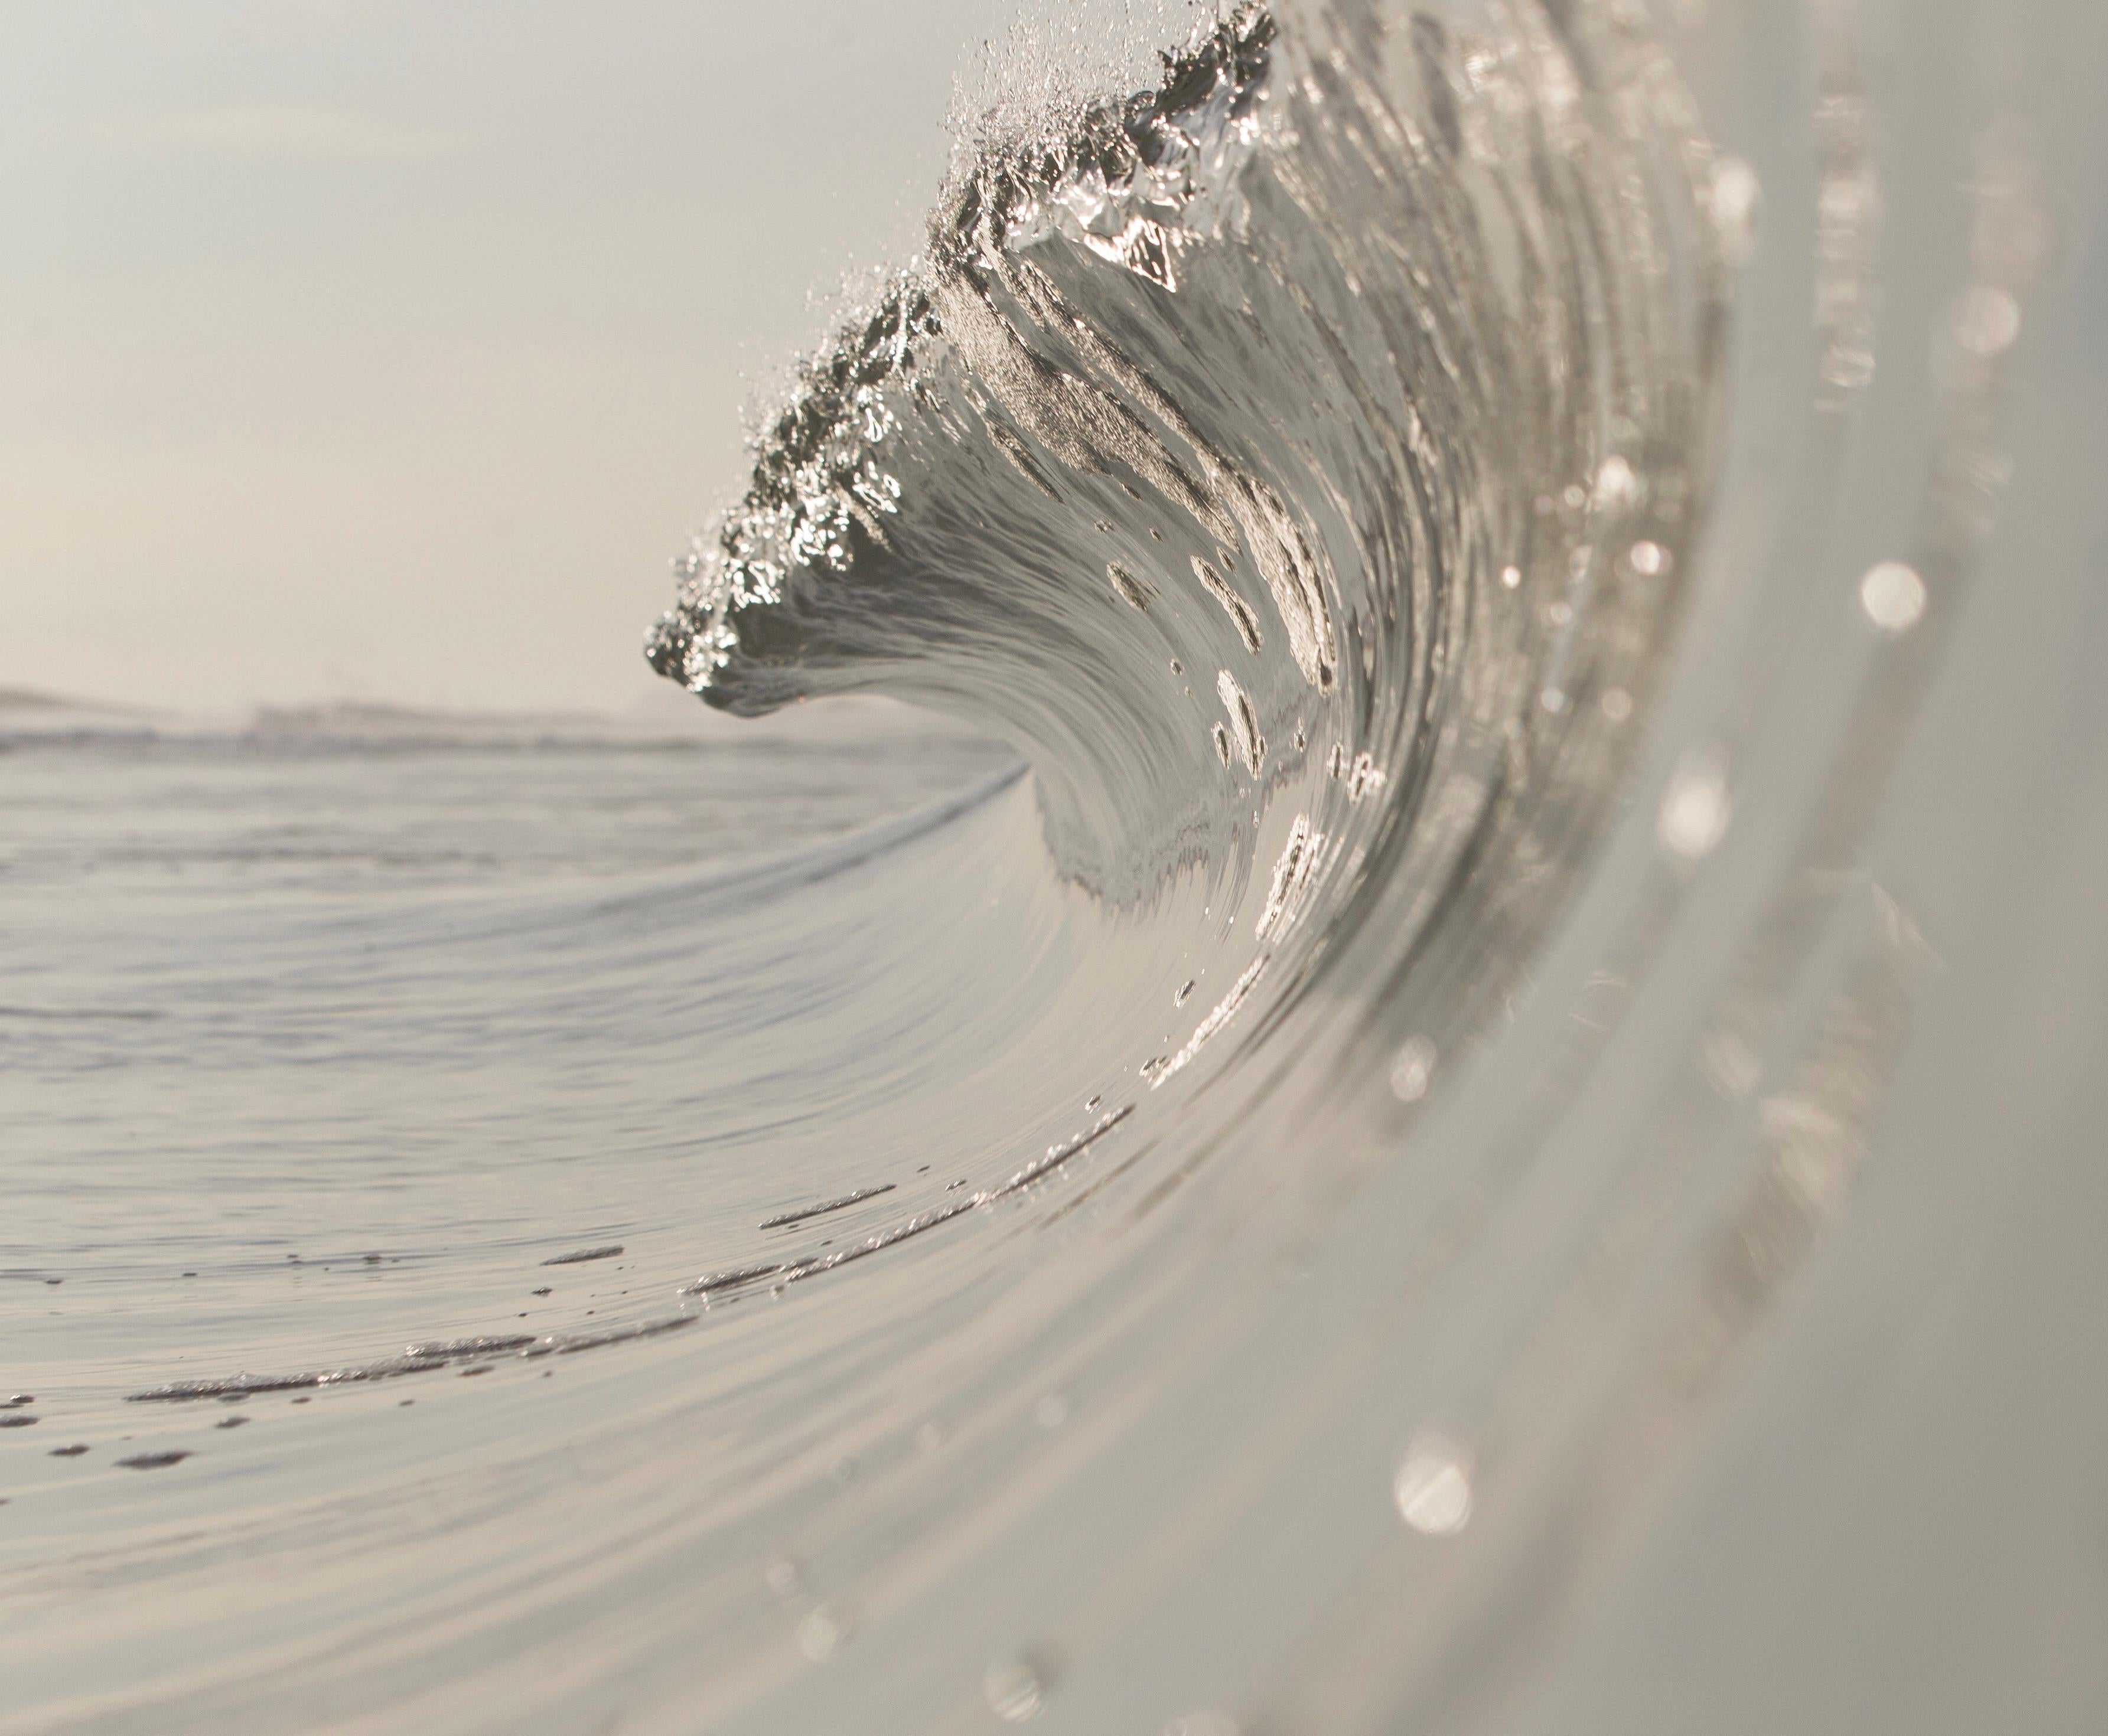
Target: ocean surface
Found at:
1221, 1116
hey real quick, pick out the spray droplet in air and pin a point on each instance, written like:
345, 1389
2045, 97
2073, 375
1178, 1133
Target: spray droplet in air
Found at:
1414, 1068
1617, 484
1987, 320
1014, 1691
1202, 1724
1695, 807
821, 1633
1649, 559
1894, 597
1433, 1487
1736, 196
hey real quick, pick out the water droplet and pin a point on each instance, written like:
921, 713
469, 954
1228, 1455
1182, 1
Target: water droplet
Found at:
1510, 577
1616, 484
784, 1578
1433, 1487
1737, 197
1987, 320
929, 1437
1617, 704
1051, 1411
1649, 559
1849, 366
1364, 777
1130, 589
822, 1633
1014, 1691
1415, 1066
1695, 807
1893, 596
1202, 1724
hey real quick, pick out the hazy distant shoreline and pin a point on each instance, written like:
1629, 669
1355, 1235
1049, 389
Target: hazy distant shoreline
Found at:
658, 713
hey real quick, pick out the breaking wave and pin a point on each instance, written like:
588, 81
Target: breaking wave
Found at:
1324, 427
978, 1257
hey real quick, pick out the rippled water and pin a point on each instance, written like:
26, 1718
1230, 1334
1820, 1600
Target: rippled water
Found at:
1230, 1193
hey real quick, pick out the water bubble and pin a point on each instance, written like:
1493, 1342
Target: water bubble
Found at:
1695, 807
1433, 1487
1892, 595
1414, 1068
1617, 704
821, 1633
1014, 1691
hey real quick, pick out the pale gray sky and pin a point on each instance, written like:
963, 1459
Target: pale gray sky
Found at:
390, 349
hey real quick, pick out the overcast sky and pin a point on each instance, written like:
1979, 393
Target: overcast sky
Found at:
389, 348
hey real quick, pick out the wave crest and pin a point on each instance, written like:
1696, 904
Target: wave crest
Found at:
1319, 395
